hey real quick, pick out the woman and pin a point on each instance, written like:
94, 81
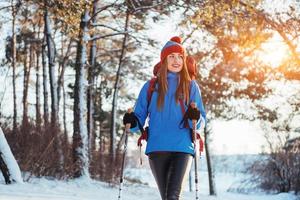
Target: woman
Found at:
169, 146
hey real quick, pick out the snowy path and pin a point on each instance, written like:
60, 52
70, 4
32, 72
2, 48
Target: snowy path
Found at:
83, 189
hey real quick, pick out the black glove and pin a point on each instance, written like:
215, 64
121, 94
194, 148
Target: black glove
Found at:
130, 118
193, 113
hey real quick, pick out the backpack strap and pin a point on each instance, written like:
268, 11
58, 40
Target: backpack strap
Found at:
201, 143
144, 136
150, 90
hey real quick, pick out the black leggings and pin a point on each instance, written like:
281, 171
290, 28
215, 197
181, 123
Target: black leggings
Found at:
169, 170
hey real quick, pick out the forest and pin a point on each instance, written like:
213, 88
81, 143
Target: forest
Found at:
69, 70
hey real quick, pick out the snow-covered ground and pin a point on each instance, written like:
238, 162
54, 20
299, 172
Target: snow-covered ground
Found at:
86, 189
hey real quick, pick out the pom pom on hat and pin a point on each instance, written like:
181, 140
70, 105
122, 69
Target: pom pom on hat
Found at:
172, 46
176, 39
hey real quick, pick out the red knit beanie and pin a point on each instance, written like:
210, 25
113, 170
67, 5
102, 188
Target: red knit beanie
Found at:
172, 46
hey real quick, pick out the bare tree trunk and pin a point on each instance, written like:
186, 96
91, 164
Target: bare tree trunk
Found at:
53, 89
62, 73
51, 59
4, 170
211, 175
61, 84
90, 89
116, 88
37, 92
101, 148
14, 13
45, 83
64, 113
27, 66
80, 135
8, 165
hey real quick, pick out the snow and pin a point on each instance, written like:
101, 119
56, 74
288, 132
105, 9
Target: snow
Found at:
87, 189
229, 183
278, 6
237, 137
9, 159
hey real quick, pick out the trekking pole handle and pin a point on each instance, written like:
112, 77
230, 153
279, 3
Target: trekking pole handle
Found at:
127, 126
193, 105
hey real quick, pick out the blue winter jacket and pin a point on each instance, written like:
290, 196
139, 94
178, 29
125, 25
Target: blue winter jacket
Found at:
166, 133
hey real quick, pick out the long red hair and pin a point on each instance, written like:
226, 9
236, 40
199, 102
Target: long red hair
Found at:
183, 89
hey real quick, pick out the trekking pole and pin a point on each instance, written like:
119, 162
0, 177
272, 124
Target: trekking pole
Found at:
194, 121
126, 132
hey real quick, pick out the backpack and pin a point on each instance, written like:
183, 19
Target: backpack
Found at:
192, 69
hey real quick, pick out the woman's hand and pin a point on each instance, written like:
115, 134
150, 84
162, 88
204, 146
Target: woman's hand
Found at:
129, 118
193, 113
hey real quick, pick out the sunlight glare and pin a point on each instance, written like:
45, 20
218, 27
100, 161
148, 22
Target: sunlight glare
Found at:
273, 52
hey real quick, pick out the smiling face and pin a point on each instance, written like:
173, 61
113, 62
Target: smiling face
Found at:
175, 62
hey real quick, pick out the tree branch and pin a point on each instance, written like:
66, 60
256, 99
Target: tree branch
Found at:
97, 37
6, 7
147, 7
105, 26
102, 9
